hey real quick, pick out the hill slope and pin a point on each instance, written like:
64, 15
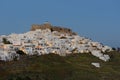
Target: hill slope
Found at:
55, 67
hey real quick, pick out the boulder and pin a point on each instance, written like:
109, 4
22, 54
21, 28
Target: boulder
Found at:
96, 64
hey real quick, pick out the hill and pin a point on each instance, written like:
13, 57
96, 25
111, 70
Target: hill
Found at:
55, 67
55, 53
45, 39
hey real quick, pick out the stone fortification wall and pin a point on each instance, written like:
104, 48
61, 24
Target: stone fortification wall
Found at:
42, 26
52, 28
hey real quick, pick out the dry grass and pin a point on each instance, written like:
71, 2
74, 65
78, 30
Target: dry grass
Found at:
55, 67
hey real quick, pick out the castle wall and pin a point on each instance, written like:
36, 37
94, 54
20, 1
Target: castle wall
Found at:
52, 28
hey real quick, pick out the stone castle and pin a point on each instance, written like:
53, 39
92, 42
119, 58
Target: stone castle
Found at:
47, 25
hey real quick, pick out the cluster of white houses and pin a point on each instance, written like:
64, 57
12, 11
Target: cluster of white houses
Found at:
44, 42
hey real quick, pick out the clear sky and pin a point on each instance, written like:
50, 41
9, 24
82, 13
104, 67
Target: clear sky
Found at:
95, 19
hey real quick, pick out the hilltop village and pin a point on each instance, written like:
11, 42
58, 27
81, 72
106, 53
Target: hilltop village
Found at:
46, 39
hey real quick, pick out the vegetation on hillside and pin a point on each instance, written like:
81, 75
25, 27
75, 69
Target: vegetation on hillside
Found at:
55, 67
5, 41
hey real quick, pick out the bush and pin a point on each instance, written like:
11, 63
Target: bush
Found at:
20, 52
5, 41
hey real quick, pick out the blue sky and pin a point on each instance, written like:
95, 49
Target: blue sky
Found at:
95, 19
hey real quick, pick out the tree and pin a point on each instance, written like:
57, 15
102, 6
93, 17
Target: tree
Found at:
5, 41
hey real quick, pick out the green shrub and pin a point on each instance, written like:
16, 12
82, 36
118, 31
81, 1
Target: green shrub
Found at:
5, 41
